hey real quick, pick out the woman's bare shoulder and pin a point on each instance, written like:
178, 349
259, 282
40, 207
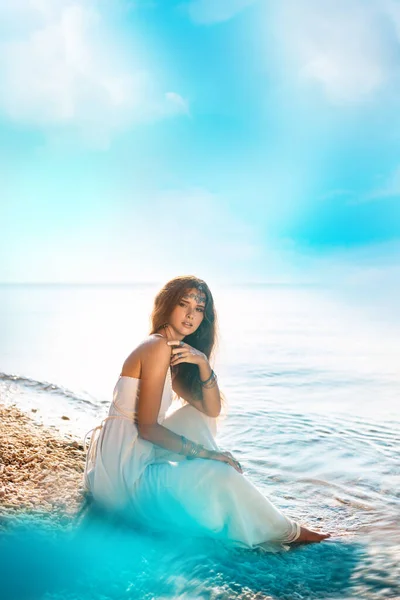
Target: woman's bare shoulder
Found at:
154, 344
152, 347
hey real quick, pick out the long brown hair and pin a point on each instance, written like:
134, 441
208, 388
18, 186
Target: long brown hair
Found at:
205, 336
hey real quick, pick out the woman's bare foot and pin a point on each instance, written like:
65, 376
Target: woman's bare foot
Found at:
308, 536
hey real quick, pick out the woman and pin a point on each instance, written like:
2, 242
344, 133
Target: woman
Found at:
136, 462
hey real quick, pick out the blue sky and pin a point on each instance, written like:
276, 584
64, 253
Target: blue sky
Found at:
238, 140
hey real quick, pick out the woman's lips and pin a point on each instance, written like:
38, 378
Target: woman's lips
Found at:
188, 325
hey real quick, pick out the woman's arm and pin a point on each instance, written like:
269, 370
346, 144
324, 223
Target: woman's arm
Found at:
211, 395
155, 364
210, 403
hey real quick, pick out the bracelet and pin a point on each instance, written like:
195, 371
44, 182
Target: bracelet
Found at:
184, 445
190, 449
194, 451
211, 383
203, 383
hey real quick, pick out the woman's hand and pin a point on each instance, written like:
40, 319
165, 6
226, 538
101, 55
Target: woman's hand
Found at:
182, 352
225, 457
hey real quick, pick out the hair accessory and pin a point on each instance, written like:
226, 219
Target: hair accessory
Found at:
198, 297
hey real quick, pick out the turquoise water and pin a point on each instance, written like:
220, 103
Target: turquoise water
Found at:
312, 380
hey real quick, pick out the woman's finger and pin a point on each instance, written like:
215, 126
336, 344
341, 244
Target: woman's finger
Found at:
179, 350
222, 457
235, 466
230, 455
180, 353
179, 357
233, 463
233, 458
177, 361
238, 467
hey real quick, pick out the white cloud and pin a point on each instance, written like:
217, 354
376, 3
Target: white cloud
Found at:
206, 12
390, 189
63, 65
349, 47
174, 231
376, 265
183, 231
177, 102
196, 228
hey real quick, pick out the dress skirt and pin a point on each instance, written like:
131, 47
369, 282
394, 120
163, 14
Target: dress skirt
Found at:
203, 497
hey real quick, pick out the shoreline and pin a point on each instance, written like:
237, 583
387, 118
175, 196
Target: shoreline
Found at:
41, 471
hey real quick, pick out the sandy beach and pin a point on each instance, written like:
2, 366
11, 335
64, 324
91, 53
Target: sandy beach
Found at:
40, 471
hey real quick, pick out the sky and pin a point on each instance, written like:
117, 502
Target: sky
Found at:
237, 140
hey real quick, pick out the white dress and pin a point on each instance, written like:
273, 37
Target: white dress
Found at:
163, 491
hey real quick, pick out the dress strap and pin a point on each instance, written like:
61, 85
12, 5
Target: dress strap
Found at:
124, 414
92, 432
94, 437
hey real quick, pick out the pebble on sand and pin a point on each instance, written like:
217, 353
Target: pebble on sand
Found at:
41, 470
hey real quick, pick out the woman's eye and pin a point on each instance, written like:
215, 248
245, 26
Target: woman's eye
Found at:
200, 310
181, 304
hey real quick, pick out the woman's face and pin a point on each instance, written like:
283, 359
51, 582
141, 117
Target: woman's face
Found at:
188, 313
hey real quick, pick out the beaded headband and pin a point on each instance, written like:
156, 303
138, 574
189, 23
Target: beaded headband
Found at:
197, 297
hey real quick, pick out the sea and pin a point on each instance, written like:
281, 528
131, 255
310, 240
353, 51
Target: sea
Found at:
311, 376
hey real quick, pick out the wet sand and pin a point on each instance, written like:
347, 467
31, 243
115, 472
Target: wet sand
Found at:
41, 471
